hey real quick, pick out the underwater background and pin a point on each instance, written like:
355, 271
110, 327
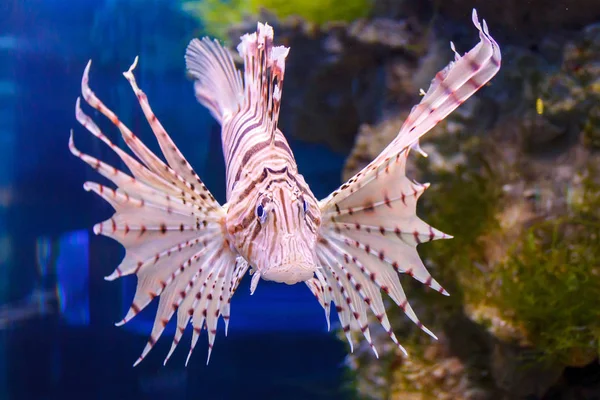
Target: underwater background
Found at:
515, 175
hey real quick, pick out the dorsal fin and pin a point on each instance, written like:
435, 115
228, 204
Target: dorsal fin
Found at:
264, 68
218, 83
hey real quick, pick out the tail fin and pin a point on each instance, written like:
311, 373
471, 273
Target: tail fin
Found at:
264, 68
218, 84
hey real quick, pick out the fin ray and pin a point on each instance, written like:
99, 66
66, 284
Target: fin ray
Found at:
218, 83
370, 229
167, 220
263, 74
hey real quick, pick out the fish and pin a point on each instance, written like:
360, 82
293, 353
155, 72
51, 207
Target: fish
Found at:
191, 252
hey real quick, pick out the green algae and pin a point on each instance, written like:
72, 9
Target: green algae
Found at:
550, 282
591, 128
217, 16
527, 286
544, 279
464, 203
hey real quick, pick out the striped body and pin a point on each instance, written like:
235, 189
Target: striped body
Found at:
191, 252
272, 216
263, 175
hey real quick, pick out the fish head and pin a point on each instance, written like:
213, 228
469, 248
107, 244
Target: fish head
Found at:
277, 230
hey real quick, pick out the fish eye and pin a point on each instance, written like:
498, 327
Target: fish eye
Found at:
260, 213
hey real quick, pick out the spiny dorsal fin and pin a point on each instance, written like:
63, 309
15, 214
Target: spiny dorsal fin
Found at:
264, 68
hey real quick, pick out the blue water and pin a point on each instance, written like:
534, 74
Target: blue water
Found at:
61, 342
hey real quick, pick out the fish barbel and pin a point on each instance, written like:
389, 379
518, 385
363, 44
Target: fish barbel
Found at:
192, 252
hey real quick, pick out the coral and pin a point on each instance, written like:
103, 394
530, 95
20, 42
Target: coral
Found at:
217, 16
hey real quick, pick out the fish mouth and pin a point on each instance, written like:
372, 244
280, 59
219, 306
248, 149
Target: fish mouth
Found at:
289, 273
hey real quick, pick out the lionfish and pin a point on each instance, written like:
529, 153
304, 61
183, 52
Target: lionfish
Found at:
192, 252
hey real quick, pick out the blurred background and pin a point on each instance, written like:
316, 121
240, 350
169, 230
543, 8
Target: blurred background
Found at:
515, 175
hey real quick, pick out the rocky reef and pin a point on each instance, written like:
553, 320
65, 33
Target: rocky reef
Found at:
518, 186
515, 175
